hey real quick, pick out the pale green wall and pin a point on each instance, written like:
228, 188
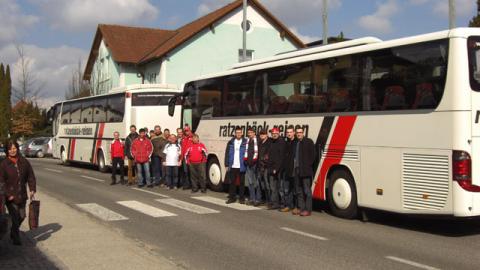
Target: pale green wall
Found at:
130, 73
109, 67
212, 52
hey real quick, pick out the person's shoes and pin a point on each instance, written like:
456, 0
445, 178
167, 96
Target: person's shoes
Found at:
284, 210
194, 190
296, 211
186, 187
114, 181
140, 186
305, 213
16, 240
230, 200
122, 181
176, 188
248, 202
150, 186
256, 204
273, 207
204, 191
241, 201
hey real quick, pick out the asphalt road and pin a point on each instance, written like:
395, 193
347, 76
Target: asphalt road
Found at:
215, 236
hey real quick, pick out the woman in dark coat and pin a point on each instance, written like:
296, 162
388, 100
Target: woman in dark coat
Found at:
15, 173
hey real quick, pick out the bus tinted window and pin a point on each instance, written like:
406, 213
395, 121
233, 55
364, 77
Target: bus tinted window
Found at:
474, 62
75, 112
99, 110
116, 108
150, 99
242, 95
289, 89
87, 109
66, 113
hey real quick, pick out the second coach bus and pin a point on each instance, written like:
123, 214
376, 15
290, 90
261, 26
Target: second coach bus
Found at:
83, 128
396, 123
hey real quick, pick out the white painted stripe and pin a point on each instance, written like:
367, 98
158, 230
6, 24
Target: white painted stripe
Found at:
101, 212
146, 209
188, 206
91, 178
151, 192
76, 170
221, 202
411, 263
53, 170
304, 233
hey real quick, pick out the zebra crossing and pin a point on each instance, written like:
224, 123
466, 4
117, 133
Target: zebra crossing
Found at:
154, 209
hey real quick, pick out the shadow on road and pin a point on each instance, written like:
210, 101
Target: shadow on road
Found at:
43, 232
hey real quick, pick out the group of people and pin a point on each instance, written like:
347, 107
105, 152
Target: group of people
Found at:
279, 170
159, 158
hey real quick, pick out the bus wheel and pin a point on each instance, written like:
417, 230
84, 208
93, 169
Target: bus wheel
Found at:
214, 175
63, 157
101, 162
342, 195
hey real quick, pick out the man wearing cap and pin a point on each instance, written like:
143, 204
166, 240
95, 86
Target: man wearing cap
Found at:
275, 164
235, 165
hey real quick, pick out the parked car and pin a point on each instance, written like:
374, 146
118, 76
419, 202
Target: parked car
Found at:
38, 147
24, 145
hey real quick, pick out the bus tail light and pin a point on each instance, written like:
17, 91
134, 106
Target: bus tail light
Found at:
462, 171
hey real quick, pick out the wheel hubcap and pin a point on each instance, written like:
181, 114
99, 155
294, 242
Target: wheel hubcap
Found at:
342, 194
64, 156
214, 174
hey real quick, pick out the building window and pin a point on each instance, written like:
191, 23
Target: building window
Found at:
249, 55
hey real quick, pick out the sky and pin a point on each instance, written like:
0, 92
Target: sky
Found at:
57, 34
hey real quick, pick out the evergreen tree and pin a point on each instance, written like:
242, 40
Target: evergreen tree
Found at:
8, 100
475, 22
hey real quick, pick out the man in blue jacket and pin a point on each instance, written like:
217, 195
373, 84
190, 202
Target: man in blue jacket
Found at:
235, 165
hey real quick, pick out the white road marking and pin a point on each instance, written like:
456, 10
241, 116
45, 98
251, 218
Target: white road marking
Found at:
151, 192
411, 263
146, 209
188, 206
53, 170
304, 234
221, 202
101, 212
76, 170
92, 178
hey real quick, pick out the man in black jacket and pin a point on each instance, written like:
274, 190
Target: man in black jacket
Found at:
131, 163
303, 159
287, 181
275, 164
262, 166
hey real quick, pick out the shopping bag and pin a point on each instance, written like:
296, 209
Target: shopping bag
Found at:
33, 214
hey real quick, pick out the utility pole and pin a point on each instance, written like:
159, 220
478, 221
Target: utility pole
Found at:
325, 22
244, 26
451, 14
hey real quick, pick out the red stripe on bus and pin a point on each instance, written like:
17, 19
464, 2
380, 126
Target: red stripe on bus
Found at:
72, 149
339, 141
99, 141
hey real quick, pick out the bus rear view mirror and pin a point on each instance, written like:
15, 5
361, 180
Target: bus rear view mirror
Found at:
171, 105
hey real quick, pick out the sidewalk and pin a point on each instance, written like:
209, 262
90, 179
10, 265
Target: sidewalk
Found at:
69, 239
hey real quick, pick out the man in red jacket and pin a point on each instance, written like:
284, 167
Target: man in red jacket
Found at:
141, 151
186, 141
117, 151
196, 158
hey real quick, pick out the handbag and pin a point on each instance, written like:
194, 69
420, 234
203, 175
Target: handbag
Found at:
33, 214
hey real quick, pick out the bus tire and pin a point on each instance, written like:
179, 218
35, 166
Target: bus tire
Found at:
63, 156
102, 167
214, 175
40, 154
342, 194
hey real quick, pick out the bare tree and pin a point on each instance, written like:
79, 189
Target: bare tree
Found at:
28, 87
77, 86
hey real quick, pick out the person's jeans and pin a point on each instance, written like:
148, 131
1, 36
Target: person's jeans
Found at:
146, 171
198, 176
131, 171
286, 189
253, 185
172, 176
118, 162
184, 175
17, 214
304, 193
264, 182
233, 174
157, 168
274, 190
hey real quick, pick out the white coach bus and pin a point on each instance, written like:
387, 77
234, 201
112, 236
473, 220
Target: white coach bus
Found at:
83, 128
396, 123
